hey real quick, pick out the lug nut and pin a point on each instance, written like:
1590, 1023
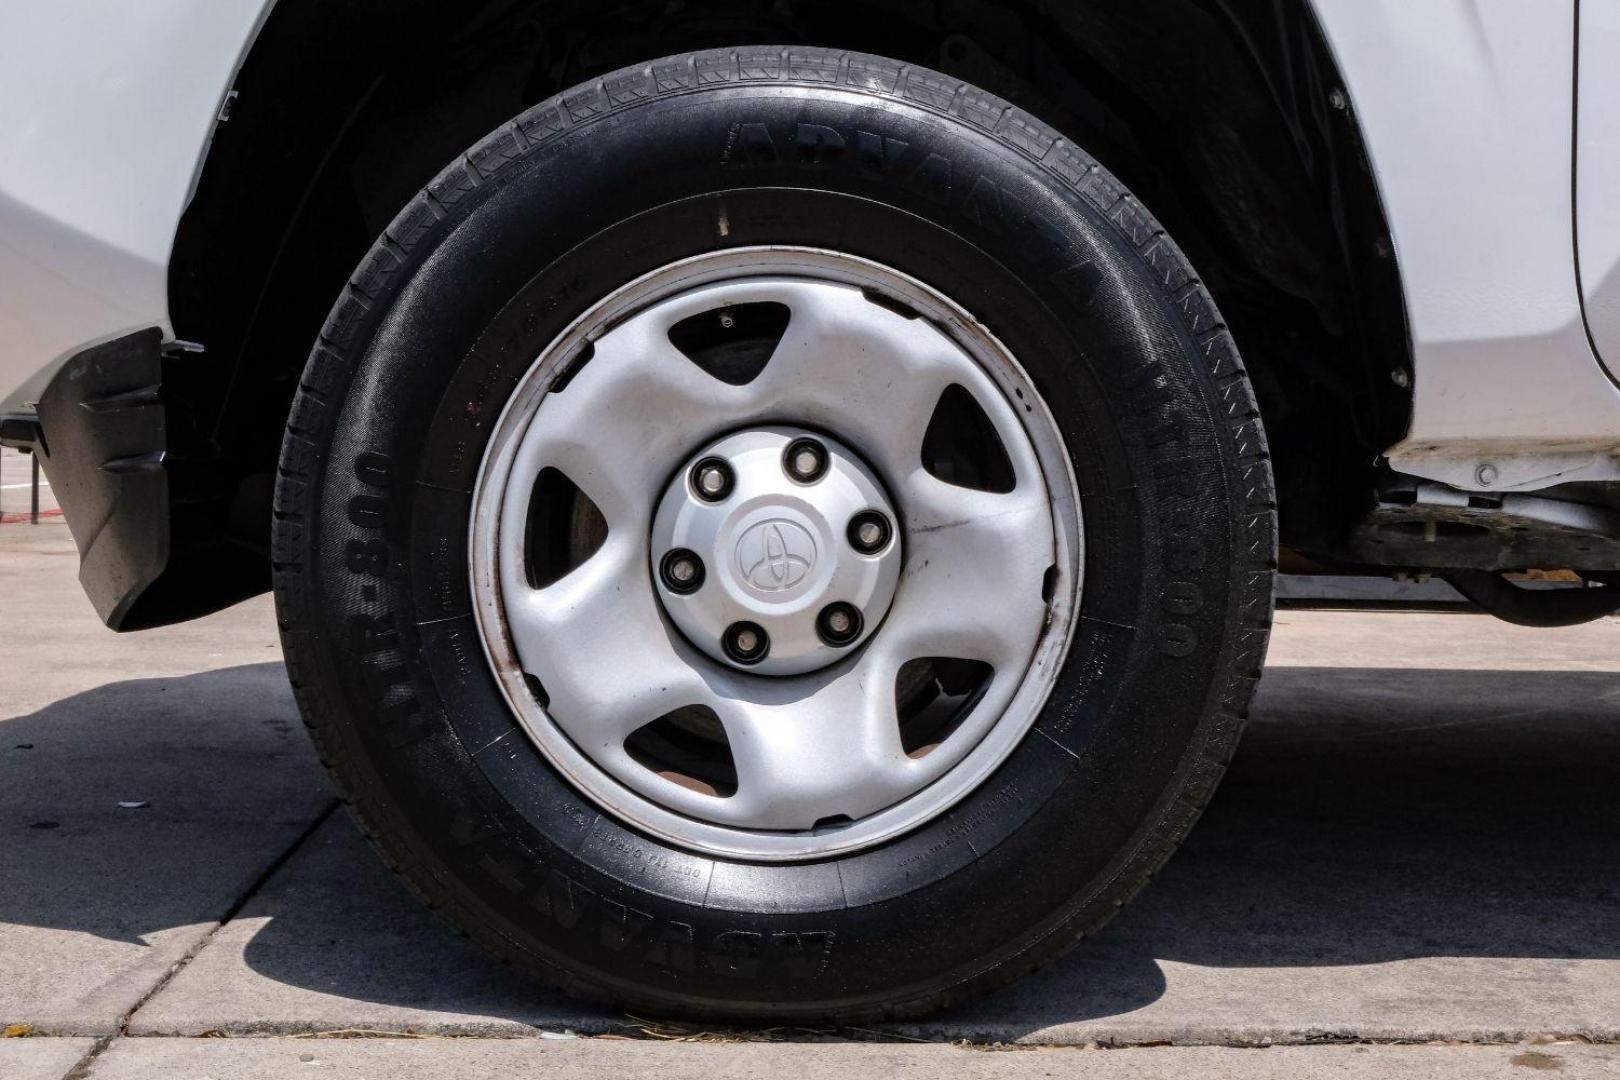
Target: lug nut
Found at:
682, 571
839, 624
712, 479
869, 532
746, 643
805, 460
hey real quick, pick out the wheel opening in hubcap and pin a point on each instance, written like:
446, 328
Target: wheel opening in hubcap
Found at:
775, 572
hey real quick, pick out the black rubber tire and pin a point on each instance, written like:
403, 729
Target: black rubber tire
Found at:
830, 149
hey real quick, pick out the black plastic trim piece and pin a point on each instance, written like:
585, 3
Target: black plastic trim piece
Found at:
103, 440
162, 525
21, 432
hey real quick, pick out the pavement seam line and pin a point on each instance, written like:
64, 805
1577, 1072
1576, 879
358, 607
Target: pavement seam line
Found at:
81, 1068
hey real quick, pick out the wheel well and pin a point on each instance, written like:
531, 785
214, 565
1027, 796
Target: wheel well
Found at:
1228, 121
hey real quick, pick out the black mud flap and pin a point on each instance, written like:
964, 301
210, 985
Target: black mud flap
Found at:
103, 441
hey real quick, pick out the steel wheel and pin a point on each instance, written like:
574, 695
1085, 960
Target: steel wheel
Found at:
807, 743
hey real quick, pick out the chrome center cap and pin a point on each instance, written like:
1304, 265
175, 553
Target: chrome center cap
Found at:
775, 557
776, 551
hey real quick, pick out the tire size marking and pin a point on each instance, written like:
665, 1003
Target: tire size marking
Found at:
667, 945
374, 636
1176, 485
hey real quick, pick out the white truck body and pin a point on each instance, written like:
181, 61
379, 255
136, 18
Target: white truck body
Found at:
1493, 176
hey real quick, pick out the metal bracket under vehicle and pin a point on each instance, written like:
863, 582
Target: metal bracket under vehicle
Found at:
1422, 524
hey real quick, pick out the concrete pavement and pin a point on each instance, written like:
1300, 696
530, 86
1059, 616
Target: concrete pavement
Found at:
41, 1059
487, 1059
143, 791
16, 488
1417, 842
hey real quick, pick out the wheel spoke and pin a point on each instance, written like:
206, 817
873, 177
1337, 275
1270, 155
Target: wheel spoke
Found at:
597, 644
865, 371
630, 411
802, 759
976, 564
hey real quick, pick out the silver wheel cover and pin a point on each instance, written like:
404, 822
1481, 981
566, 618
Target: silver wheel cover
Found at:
985, 576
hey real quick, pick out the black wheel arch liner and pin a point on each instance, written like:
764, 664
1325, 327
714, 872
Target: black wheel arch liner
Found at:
346, 107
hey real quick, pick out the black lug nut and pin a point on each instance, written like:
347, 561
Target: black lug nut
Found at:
712, 479
869, 532
681, 571
839, 624
746, 642
805, 460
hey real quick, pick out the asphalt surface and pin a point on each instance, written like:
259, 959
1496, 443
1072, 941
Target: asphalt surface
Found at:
1417, 844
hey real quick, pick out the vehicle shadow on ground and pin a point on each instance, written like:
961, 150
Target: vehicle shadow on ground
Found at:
1371, 815
147, 804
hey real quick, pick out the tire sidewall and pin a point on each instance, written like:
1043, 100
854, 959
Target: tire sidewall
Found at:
413, 371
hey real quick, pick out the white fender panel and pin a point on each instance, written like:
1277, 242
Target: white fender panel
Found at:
1466, 106
108, 109
1597, 176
